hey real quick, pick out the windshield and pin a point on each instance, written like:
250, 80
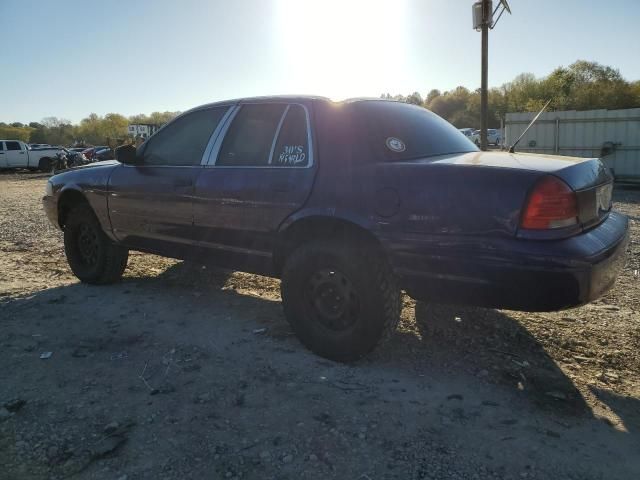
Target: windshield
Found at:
400, 131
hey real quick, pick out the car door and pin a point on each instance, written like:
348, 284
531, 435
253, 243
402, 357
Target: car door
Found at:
261, 170
150, 204
15, 154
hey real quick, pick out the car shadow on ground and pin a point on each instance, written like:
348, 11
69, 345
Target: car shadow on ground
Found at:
487, 343
626, 408
484, 343
492, 346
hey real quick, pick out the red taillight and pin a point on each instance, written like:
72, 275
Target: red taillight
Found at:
551, 204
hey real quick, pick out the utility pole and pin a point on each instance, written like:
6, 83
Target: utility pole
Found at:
487, 14
483, 21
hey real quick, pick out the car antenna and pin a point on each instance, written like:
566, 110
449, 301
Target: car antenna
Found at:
512, 148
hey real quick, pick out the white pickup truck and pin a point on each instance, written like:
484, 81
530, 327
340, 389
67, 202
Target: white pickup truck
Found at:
17, 154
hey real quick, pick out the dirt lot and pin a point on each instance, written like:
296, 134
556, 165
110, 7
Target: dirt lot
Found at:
183, 372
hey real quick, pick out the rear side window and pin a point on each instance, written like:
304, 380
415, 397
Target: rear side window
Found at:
13, 146
182, 142
399, 131
1, 146
292, 147
250, 137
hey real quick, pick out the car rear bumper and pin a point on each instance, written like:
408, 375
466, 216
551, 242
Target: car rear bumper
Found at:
512, 273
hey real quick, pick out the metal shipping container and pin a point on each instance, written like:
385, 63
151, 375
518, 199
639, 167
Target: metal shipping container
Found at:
613, 135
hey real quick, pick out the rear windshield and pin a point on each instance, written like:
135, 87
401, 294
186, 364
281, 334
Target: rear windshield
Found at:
399, 131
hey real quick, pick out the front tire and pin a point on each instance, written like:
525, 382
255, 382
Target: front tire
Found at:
341, 301
92, 256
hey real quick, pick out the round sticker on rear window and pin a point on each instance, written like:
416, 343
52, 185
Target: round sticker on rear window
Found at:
395, 144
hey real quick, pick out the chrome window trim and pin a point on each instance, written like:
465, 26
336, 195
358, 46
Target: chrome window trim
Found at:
216, 150
216, 131
217, 144
277, 134
215, 134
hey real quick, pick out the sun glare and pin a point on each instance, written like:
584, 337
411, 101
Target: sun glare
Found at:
342, 48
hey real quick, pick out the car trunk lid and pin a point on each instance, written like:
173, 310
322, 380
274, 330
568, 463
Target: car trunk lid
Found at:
586, 176
511, 177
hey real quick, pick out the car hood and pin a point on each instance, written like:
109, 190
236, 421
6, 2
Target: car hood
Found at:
104, 163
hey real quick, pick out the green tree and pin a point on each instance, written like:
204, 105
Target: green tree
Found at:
9, 132
582, 85
431, 96
88, 131
415, 98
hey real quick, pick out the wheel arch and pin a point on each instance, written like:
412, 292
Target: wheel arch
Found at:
295, 231
44, 163
68, 199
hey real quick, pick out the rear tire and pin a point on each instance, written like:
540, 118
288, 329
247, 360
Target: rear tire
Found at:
45, 165
341, 300
92, 256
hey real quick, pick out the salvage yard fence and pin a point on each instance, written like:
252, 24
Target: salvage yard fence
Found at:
613, 135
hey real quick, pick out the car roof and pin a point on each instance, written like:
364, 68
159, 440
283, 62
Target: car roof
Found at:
289, 99
263, 99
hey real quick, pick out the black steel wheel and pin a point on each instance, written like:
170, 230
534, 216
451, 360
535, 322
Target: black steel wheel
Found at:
340, 297
92, 256
332, 300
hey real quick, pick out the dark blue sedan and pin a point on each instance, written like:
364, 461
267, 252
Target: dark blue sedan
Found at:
347, 203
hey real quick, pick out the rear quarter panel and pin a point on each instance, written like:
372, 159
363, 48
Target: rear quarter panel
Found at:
449, 199
412, 197
338, 191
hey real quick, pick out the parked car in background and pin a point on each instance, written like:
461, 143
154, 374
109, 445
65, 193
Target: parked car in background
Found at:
348, 204
103, 154
38, 146
493, 137
467, 132
91, 151
74, 156
17, 154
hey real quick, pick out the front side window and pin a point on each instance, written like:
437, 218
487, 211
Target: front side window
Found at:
398, 131
292, 147
250, 137
13, 146
1, 146
183, 141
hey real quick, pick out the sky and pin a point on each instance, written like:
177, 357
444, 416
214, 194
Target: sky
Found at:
68, 58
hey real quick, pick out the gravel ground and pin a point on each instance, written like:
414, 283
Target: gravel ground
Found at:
186, 372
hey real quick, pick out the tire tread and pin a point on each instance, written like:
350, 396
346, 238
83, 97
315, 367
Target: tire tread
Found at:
368, 258
115, 258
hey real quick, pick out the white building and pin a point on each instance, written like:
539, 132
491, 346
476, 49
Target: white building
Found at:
144, 130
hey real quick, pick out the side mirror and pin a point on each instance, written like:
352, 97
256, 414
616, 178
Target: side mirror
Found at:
126, 154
